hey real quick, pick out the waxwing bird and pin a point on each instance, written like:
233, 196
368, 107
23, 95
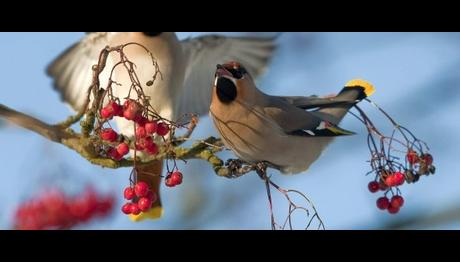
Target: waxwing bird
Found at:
290, 133
186, 67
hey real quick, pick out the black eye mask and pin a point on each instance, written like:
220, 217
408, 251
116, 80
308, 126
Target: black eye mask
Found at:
226, 90
237, 73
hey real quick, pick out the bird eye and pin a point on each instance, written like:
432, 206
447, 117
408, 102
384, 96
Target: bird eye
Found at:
237, 73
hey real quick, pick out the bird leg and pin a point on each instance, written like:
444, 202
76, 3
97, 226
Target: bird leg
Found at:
261, 169
236, 167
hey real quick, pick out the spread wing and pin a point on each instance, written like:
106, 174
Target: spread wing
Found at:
72, 72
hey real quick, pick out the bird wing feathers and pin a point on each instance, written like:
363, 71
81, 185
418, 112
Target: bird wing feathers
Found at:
204, 53
72, 72
296, 121
310, 102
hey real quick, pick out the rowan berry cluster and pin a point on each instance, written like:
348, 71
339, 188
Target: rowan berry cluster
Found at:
54, 210
141, 197
146, 127
395, 160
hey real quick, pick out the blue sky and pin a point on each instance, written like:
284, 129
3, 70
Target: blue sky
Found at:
417, 78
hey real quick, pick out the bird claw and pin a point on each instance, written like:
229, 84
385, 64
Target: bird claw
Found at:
261, 169
234, 164
238, 167
235, 167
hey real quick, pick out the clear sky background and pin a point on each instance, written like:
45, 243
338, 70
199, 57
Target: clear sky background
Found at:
417, 78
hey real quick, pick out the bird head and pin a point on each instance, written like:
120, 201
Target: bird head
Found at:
229, 80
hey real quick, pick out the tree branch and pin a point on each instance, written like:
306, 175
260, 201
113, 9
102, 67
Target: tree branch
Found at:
204, 150
84, 143
50, 132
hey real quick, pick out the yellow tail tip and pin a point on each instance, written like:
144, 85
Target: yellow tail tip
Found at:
340, 131
368, 87
153, 213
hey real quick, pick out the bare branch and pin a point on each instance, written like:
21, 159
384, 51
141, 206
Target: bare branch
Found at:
48, 131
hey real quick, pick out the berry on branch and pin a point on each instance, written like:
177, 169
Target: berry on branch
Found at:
141, 189
109, 135
373, 186
383, 203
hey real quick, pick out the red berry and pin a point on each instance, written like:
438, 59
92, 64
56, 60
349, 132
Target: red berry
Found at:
146, 142
162, 129
393, 210
398, 178
151, 127
123, 149
389, 181
128, 193
428, 159
168, 181
144, 204
383, 203
126, 208
152, 149
176, 178
128, 114
412, 157
134, 209
139, 146
113, 153
109, 135
140, 120
111, 109
397, 201
373, 186
382, 186
140, 132
131, 109
105, 113
141, 189
115, 108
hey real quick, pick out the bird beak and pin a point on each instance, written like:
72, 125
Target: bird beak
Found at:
222, 71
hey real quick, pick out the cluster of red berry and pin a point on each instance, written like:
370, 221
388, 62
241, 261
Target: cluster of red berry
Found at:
145, 129
386, 180
392, 205
173, 179
141, 198
390, 168
140, 195
55, 210
149, 127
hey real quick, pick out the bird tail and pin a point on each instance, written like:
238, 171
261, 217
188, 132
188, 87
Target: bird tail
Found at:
151, 174
359, 88
354, 91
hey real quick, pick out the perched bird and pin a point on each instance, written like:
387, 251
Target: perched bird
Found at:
279, 130
186, 68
